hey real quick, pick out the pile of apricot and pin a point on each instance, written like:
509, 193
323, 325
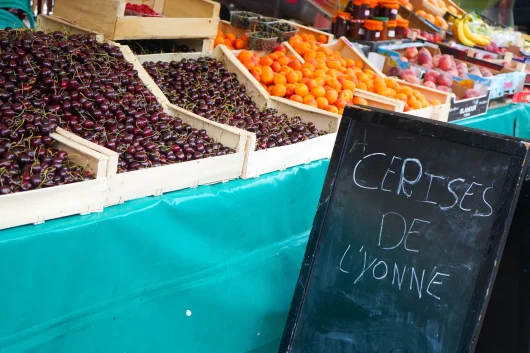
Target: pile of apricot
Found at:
323, 78
230, 40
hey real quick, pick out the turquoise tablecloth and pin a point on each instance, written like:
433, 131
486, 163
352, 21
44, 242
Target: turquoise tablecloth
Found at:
206, 270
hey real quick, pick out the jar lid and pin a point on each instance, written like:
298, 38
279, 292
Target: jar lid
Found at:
391, 23
374, 4
382, 19
402, 23
358, 2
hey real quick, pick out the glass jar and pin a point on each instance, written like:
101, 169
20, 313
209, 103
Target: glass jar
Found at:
340, 25
357, 30
388, 9
361, 9
372, 30
373, 8
390, 30
401, 28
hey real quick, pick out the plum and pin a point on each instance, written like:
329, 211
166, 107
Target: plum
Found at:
411, 53
395, 71
429, 84
431, 76
445, 79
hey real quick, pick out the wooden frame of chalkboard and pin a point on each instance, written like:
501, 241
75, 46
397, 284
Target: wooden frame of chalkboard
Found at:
487, 269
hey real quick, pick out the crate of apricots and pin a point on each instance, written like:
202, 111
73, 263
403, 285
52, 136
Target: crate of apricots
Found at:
321, 78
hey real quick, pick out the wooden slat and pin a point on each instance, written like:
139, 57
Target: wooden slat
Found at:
132, 27
97, 15
192, 9
47, 23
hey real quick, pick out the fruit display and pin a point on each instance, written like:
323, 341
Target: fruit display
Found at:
324, 80
142, 10
466, 36
262, 41
230, 40
155, 46
89, 89
242, 19
30, 84
282, 30
436, 20
431, 37
503, 37
205, 87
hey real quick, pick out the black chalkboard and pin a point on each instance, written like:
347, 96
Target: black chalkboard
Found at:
407, 238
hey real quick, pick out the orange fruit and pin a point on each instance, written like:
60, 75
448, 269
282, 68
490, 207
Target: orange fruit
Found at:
318, 91
249, 64
301, 90
265, 61
362, 85
334, 83
346, 95
309, 55
347, 84
270, 88
295, 64
280, 80
273, 56
307, 73
279, 91
275, 66
323, 39
220, 33
359, 63
320, 81
283, 60
239, 44
297, 98
230, 36
289, 89
435, 102
312, 103
331, 96
332, 109
267, 77
311, 84
402, 97
218, 40
308, 98
244, 55
319, 73
360, 100
301, 48
286, 69
299, 73
340, 104
322, 102
291, 77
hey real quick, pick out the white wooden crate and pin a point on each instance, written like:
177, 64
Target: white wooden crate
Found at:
37, 206
277, 158
48, 23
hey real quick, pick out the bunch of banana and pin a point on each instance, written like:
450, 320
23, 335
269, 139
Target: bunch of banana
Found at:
462, 32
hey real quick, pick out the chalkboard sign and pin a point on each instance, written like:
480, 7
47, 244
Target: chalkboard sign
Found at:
407, 238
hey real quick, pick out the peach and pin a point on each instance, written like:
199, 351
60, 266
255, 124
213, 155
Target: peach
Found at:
431, 76
424, 56
446, 62
471, 93
436, 60
411, 52
407, 72
411, 79
429, 84
445, 80
443, 88
486, 73
427, 66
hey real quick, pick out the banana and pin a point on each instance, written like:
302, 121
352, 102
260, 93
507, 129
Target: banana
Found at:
477, 39
462, 36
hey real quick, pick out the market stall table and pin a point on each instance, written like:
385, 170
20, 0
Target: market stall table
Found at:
210, 269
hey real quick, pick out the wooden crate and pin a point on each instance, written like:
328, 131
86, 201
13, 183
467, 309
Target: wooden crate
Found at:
156, 181
348, 50
37, 206
226, 28
278, 158
183, 18
48, 23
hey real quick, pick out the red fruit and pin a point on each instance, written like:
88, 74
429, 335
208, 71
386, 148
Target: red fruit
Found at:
443, 88
411, 79
445, 79
471, 93
411, 53
431, 76
424, 57
429, 84
395, 71
446, 62
280, 48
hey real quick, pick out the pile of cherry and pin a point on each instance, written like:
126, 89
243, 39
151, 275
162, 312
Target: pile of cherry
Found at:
205, 87
88, 88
